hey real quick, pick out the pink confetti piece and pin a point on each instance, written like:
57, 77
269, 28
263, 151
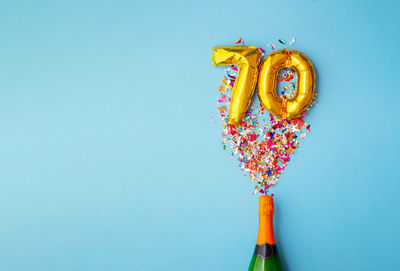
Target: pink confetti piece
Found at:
222, 99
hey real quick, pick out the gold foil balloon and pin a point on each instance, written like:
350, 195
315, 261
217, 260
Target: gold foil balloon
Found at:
247, 58
281, 107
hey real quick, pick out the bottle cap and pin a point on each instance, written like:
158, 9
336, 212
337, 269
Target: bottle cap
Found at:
266, 205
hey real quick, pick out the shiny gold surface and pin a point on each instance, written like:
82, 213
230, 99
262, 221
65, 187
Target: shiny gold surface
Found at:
247, 59
280, 107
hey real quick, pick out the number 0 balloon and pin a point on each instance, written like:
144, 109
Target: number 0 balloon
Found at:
286, 108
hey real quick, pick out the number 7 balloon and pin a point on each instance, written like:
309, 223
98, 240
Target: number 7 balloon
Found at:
247, 58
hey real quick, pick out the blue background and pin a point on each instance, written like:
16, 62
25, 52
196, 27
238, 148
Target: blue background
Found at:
109, 158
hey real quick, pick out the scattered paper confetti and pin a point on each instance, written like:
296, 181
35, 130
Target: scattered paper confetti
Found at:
263, 144
240, 41
292, 41
282, 41
272, 46
286, 81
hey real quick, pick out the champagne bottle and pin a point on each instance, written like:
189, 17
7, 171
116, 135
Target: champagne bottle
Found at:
265, 256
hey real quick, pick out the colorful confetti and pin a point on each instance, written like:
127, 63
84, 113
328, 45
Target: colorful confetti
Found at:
263, 144
286, 81
292, 41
